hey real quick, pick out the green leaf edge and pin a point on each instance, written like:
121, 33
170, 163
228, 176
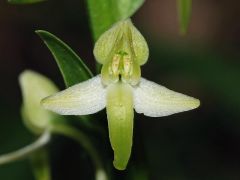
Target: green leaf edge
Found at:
44, 35
116, 16
184, 8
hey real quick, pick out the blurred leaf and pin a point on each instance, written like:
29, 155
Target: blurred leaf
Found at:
137, 173
24, 1
104, 13
40, 165
71, 66
184, 14
35, 117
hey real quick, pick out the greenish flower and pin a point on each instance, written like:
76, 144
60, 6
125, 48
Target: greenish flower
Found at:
44, 123
35, 117
120, 88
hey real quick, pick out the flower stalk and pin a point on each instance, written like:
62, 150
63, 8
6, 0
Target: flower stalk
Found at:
82, 139
25, 152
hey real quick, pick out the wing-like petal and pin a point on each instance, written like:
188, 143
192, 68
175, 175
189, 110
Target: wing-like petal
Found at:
84, 98
155, 100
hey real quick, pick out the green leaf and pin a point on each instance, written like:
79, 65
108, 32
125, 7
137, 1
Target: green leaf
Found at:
184, 14
104, 13
40, 165
71, 66
24, 1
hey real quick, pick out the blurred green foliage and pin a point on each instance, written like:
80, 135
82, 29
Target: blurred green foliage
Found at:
24, 1
104, 13
184, 14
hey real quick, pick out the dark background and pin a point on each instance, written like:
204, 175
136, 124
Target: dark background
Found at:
203, 144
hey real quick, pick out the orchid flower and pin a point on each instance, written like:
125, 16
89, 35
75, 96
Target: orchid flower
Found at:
121, 89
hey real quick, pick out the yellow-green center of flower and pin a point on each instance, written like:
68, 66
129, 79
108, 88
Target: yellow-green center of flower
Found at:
121, 50
121, 67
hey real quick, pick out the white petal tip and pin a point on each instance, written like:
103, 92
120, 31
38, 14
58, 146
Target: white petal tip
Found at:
52, 104
155, 100
196, 103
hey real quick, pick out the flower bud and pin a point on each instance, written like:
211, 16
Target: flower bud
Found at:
34, 88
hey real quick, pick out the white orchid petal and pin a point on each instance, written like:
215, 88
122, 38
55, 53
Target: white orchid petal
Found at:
84, 98
155, 100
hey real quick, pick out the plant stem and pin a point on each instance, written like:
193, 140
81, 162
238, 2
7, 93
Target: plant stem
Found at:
40, 164
26, 151
84, 141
